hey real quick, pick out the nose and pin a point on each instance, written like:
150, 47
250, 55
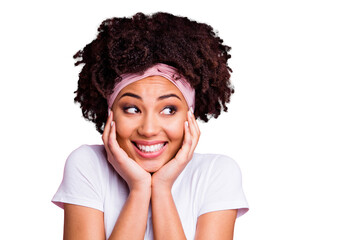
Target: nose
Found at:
149, 126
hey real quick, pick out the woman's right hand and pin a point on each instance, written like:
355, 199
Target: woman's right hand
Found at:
135, 176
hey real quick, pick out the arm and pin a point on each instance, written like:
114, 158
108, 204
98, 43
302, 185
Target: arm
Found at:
83, 223
131, 223
216, 225
88, 223
164, 212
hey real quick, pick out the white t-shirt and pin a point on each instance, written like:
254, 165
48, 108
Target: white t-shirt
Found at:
208, 183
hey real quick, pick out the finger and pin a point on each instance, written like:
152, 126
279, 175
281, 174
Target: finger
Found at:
182, 155
105, 135
114, 147
191, 124
195, 123
112, 137
194, 120
195, 132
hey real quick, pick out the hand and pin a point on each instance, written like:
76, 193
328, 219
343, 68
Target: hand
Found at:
167, 174
135, 176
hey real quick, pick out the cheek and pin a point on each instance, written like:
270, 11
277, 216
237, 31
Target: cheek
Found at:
175, 130
122, 132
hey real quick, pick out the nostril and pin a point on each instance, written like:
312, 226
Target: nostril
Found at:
148, 130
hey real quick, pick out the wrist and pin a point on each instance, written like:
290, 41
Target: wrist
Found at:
143, 187
141, 192
160, 188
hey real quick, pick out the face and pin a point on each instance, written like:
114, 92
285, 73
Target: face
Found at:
149, 116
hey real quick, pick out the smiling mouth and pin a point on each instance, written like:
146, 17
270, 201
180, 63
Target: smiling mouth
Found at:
150, 148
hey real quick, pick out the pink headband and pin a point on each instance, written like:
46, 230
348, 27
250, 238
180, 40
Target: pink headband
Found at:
159, 69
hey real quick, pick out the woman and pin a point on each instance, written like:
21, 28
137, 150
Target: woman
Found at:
144, 82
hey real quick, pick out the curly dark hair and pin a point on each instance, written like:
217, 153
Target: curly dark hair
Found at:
130, 45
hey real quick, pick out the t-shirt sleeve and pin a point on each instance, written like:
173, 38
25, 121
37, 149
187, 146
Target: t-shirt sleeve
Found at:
82, 180
224, 187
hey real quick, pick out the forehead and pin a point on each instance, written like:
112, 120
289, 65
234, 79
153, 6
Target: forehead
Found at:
153, 85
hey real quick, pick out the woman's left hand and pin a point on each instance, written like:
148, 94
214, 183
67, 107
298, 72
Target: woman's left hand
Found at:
167, 174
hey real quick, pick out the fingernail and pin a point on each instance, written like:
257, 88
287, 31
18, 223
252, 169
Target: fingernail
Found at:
109, 112
186, 123
112, 123
191, 110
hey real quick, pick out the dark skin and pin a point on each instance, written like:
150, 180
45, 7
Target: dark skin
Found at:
196, 52
150, 119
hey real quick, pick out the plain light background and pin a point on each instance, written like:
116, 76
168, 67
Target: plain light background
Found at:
293, 124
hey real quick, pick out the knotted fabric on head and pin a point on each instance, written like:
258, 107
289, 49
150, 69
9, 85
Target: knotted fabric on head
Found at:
159, 69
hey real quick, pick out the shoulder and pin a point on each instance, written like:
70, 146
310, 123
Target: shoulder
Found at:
221, 184
212, 167
89, 156
214, 162
88, 151
85, 178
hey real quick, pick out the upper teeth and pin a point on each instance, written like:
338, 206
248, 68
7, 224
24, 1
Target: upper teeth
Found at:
150, 148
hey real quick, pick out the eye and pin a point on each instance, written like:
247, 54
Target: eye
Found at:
169, 110
131, 110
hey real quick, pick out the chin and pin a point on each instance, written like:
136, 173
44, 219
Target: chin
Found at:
151, 167
152, 170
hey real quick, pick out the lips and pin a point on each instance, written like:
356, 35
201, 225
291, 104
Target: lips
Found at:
148, 149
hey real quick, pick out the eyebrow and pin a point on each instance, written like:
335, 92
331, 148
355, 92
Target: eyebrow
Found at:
128, 94
169, 96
